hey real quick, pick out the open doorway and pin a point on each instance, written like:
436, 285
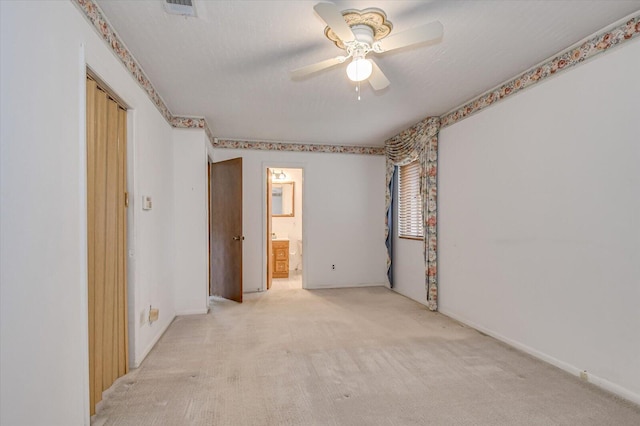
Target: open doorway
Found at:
284, 228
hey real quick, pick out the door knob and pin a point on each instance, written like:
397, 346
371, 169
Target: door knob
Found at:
238, 238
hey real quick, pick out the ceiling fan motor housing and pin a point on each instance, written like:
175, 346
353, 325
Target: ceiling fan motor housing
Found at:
363, 33
362, 44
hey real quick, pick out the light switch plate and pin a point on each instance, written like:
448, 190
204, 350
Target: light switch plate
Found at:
147, 203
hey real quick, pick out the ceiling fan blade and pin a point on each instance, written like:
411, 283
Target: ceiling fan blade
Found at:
377, 79
334, 19
428, 32
318, 66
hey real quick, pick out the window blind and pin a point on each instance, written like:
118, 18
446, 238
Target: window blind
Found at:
409, 201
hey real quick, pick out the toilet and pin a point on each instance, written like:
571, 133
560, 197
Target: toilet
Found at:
295, 253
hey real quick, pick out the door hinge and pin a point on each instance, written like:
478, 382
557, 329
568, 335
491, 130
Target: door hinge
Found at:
126, 199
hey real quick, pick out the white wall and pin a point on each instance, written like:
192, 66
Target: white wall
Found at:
191, 230
153, 245
539, 201
408, 263
43, 351
408, 268
343, 216
291, 227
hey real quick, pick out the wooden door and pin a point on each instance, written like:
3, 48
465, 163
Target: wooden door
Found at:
226, 229
269, 231
106, 241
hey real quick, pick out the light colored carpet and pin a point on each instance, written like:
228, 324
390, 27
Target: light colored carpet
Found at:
362, 356
293, 282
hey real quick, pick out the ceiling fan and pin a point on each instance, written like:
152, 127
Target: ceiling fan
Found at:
360, 32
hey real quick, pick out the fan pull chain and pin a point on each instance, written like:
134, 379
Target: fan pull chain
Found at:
358, 90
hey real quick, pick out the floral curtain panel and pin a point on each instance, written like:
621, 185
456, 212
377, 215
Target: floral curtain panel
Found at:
389, 226
419, 142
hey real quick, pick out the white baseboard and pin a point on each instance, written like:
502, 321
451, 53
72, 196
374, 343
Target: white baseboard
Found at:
572, 369
143, 355
193, 312
401, 293
327, 286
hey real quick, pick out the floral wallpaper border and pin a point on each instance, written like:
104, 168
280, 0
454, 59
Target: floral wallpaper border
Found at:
298, 147
188, 122
563, 61
95, 16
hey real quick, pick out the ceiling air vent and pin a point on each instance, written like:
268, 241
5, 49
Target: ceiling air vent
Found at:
180, 7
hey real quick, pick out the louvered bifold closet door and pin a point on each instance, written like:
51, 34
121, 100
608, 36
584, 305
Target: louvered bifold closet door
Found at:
106, 225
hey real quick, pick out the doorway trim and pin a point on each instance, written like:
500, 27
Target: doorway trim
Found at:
272, 164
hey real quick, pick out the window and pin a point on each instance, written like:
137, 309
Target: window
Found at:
409, 202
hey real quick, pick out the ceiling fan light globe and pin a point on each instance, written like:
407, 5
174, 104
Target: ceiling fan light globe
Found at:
359, 69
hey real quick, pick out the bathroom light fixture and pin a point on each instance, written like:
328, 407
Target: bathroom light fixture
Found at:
278, 176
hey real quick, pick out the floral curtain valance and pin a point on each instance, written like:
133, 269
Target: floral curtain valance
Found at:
411, 141
419, 142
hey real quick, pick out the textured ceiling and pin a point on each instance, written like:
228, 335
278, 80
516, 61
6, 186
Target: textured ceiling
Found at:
231, 64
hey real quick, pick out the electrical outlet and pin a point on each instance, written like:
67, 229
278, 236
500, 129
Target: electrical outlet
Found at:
584, 376
333, 267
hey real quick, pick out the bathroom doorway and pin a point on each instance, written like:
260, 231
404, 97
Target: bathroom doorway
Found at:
284, 228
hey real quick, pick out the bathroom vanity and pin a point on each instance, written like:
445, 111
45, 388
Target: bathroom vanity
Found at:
280, 258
